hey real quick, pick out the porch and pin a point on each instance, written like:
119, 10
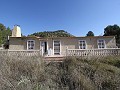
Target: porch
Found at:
93, 52
68, 52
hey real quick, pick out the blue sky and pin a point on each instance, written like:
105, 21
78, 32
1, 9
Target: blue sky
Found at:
74, 16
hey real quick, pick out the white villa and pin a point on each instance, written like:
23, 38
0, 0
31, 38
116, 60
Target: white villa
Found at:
63, 46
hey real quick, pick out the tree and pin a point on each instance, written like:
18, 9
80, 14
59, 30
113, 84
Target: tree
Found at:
4, 33
2, 27
0, 38
90, 33
111, 30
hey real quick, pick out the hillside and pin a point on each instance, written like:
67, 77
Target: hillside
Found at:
58, 33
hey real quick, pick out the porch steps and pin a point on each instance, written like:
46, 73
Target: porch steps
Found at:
56, 59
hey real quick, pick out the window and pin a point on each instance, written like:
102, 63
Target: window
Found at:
30, 44
82, 44
101, 44
56, 47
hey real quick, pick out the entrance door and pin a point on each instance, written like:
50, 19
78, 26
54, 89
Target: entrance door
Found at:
44, 46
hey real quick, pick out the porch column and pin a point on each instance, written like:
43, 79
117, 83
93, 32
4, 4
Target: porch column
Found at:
42, 51
66, 51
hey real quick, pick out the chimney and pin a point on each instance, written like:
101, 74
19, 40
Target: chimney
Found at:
16, 32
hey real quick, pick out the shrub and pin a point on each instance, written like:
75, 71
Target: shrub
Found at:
32, 73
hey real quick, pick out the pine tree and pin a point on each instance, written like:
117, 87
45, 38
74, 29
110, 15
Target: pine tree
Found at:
0, 38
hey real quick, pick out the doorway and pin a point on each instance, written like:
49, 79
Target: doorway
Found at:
45, 47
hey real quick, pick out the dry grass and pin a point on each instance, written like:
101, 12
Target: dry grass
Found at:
32, 73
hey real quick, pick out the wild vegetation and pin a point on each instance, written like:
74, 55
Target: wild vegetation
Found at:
32, 73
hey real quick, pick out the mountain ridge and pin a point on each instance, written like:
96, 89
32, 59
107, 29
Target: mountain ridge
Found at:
57, 33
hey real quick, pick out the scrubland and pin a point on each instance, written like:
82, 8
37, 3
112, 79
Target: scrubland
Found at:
33, 73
